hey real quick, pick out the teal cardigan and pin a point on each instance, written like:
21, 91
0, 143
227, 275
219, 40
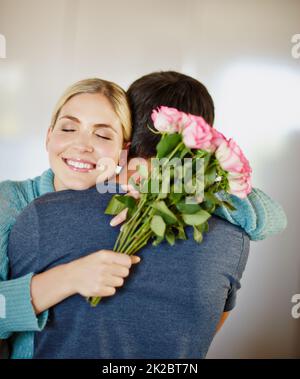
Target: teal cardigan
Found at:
258, 215
20, 315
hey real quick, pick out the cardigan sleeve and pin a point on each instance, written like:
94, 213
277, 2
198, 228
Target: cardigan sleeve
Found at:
16, 310
258, 214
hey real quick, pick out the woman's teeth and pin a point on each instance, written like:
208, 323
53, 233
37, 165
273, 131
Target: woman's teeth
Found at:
80, 164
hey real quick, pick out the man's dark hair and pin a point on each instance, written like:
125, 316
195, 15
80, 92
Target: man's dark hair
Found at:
168, 88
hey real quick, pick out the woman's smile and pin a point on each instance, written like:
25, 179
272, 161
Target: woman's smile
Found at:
79, 165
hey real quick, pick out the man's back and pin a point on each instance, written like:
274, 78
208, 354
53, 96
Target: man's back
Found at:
169, 305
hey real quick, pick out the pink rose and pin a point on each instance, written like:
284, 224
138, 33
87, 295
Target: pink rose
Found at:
197, 134
217, 139
239, 184
166, 119
232, 159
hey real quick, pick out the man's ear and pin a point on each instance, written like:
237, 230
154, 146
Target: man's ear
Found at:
124, 153
48, 137
126, 146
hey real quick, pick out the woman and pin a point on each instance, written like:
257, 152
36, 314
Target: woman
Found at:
90, 121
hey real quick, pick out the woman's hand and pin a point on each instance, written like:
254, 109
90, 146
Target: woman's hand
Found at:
118, 219
99, 273
96, 274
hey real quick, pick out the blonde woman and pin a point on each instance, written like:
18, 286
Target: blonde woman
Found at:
91, 121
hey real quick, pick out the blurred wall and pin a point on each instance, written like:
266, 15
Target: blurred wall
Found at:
240, 49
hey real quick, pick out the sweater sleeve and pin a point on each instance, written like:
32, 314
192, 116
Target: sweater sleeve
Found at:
16, 309
258, 214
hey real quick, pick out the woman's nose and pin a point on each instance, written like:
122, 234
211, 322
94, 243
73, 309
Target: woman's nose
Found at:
83, 144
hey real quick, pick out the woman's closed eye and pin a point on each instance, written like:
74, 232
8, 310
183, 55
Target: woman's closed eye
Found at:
104, 137
68, 130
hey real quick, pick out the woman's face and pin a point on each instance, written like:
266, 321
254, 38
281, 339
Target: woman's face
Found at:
87, 129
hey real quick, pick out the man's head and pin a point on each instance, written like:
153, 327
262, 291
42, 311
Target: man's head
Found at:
168, 88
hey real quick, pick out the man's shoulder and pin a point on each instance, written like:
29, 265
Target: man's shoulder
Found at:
219, 224
229, 241
64, 196
221, 239
223, 242
227, 235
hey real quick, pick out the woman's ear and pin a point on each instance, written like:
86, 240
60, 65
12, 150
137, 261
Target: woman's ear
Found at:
48, 137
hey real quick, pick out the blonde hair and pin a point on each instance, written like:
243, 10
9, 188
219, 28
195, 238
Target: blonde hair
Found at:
114, 93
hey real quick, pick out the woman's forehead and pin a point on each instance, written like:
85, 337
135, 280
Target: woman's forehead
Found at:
89, 107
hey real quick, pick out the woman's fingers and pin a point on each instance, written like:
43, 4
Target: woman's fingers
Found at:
131, 191
119, 218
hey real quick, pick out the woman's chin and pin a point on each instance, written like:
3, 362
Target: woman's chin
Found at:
81, 186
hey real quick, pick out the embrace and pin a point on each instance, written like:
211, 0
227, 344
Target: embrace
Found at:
56, 240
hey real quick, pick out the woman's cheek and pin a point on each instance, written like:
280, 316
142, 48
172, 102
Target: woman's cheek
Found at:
108, 151
59, 143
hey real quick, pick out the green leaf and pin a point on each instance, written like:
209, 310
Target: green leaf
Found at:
145, 185
207, 158
158, 226
162, 195
198, 237
209, 207
228, 205
201, 153
188, 208
115, 206
128, 201
206, 227
175, 196
163, 210
181, 232
170, 237
143, 170
196, 218
210, 201
182, 235
167, 144
208, 196
157, 241
202, 227
184, 152
210, 176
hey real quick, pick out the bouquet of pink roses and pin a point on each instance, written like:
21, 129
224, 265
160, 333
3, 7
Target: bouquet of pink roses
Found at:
194, 163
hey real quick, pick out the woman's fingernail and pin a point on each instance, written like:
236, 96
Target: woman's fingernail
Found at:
112, 222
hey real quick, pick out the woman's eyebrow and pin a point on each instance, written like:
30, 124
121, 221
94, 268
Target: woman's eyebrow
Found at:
75, 119
106, 126
72, 118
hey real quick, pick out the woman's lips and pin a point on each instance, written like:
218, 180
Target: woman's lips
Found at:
79, 165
